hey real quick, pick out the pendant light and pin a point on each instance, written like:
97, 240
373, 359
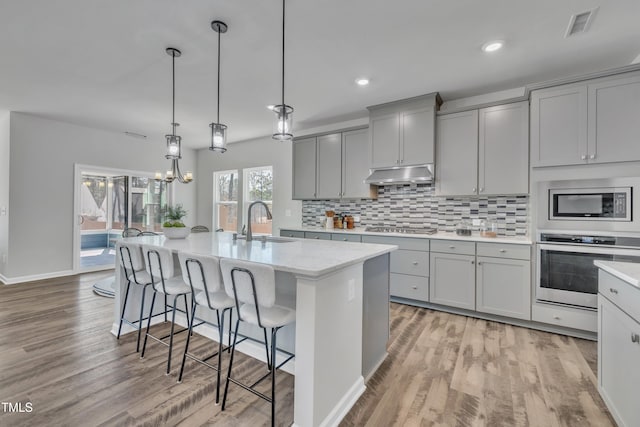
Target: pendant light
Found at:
174, 142
282, 130
218, 130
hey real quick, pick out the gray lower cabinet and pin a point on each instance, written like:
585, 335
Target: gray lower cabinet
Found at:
619, 348
409, 266
346, 237
453, 280
292, 233
503, 287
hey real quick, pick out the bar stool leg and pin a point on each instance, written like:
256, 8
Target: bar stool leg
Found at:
274, 331
186, 346
146, 335
173, 324
144, 290
266, 347
233, 350
165, 307
124, 306
220, 346
230, 322
186, 308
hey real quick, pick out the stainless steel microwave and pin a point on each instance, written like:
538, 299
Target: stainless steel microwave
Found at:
591, 204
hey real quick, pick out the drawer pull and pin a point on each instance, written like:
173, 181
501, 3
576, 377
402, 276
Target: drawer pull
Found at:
556, 317
503, 251
635, 338
317, 237
414, 287
473, 262
344, 240
613, 290
452, 247
415, 263
479, 263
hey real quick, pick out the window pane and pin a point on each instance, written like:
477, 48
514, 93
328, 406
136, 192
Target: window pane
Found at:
118, 202
148, 197
227, 215
227, 187
260, 184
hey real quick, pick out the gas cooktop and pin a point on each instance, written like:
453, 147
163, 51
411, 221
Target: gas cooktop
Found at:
403, 230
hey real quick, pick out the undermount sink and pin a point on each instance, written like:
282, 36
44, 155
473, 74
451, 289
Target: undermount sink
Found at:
270, 239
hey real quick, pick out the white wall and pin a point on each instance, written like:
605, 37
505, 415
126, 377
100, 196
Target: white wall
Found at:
43, 153
4, 187
257, 152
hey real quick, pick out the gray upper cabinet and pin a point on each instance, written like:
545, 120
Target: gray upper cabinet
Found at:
457, 153
329, 182
591, 122
355, 164
559, 126
332, 166
402, 132
614, 120
503, 149
304, 168
483, 151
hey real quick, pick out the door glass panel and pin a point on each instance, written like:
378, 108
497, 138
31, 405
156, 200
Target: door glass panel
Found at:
148, 199
93, 203
119, 202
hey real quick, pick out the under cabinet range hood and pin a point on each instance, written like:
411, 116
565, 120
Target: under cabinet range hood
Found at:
401, 175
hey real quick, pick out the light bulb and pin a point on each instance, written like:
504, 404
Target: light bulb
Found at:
217, 139
173, 150
283, 127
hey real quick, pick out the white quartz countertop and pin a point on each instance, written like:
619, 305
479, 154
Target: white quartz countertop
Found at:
441, 235
305, 257
627, 271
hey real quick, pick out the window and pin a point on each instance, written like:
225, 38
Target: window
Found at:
226, 200
258, 185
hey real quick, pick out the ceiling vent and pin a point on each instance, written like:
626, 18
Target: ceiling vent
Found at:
580, 22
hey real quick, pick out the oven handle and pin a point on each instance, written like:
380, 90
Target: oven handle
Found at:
588, 249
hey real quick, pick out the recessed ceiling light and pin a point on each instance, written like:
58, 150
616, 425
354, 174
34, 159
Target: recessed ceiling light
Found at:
492, 46
362, 81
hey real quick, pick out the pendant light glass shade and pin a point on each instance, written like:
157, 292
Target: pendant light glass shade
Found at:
174, 146
218, 130
218, 137
283, 125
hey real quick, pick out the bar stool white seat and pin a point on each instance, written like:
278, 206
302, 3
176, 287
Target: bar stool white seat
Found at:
160, 267
254, 286
203, 274
132, 263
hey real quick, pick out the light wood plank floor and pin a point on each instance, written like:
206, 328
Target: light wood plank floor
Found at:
443, 370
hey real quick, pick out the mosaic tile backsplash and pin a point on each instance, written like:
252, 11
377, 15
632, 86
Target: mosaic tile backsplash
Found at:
416, 205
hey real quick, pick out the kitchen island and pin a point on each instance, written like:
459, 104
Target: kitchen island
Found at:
340, 291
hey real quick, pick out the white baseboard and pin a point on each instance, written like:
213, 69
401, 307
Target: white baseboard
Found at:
34, 277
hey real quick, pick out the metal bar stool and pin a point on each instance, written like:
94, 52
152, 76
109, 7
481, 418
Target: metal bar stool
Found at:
254, 286
132, 262
203, 274
160, 267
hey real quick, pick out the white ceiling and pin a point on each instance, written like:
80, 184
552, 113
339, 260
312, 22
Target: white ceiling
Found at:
103, 63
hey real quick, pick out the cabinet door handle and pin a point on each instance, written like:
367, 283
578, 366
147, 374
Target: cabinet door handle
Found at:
317, 237
583, 157
344, 240
452, 247
592, 156
414, 287
415, 263
503, 251
479, 263
635, 338
481, 189
556, 317
613, 290
473, 190
473, 262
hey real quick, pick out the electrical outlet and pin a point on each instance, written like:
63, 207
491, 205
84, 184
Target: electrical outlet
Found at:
351, 286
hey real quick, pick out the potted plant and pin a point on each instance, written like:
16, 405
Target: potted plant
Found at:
173, 226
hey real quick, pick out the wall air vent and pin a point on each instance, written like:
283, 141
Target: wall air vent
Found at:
580, 22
